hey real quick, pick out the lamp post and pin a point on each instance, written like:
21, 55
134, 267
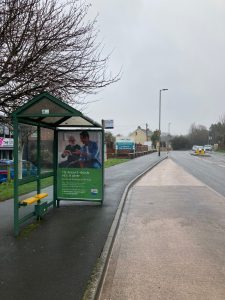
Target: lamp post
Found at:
169, 128
160, 91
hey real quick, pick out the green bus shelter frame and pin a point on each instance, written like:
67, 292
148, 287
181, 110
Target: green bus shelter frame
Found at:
46, 111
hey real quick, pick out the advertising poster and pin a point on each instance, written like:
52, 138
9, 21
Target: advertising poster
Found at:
79, 172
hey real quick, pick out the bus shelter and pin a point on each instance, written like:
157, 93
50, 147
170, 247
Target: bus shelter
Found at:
55, 142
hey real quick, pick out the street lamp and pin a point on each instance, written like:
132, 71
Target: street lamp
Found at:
169, 128
160, 91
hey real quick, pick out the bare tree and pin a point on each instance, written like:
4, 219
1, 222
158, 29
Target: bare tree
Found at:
222, 119
217, 132
198, 135
45, 46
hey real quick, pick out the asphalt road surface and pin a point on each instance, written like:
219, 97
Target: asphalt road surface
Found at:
209, 169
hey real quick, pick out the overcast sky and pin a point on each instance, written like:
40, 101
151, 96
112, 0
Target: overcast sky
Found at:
173, 44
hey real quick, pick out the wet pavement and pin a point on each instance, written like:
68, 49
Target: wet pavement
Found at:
170, 242
56, 259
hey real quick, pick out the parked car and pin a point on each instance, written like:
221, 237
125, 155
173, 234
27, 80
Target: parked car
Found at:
29, 169
208, 148
6, 162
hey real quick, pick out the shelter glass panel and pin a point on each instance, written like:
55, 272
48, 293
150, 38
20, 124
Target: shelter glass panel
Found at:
51, 120
76, 121
27, 151
46, 151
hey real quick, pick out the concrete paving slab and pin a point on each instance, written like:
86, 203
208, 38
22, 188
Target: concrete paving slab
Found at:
170, 243
168, 173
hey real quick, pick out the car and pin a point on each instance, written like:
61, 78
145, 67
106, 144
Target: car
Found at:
208, 147
29, 169
195, 147
4, 162
4, 165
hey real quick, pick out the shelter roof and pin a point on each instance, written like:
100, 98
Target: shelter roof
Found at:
48, 110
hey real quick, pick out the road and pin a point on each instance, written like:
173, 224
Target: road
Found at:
210, 169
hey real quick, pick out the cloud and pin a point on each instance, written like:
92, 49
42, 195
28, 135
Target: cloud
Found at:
176, 44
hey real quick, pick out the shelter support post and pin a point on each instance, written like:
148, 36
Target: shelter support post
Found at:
55, 161
38, 160
16, 200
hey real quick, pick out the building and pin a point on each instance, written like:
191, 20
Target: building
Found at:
30, 143
6, 142
140, 135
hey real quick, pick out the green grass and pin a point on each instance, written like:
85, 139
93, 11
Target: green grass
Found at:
6, 189
115, 161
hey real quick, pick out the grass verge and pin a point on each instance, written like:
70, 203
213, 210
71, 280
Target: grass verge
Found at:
115, 161
6, 189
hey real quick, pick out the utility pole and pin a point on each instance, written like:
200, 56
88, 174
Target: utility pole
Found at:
160, 91
169, 128
146, 132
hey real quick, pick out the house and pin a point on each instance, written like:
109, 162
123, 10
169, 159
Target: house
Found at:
140, 135
6, 142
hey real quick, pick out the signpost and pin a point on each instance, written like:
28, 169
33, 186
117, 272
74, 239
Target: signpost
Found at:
108, 124
125, 144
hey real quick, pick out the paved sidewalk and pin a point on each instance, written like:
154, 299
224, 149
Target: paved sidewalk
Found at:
170, 243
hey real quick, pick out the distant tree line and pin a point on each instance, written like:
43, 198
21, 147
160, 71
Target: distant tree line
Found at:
200, 135
109, 139
217, 133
